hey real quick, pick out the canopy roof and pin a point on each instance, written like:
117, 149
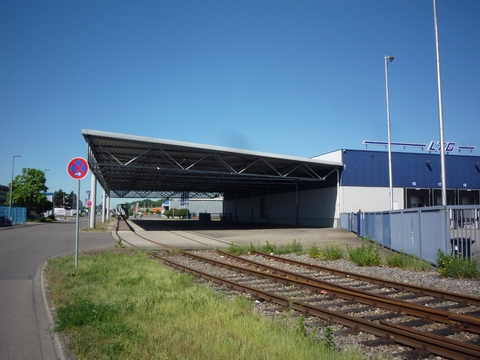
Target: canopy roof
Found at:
135, 166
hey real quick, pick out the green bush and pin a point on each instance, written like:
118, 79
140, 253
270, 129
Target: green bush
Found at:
181, 213
268, 248
456, 266
366, 255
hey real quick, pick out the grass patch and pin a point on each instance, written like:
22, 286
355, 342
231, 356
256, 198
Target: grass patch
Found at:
407, 262
367, 255
100, 226
456, 266
124, 305
293, 248
241, 249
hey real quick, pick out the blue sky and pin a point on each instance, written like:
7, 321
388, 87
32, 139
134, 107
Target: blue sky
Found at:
298, 78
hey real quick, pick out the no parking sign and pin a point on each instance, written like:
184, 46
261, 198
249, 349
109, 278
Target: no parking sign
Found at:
77, 168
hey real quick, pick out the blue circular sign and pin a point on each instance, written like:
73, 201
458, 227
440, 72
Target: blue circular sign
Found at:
78, 168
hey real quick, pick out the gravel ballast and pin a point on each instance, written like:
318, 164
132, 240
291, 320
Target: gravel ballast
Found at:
342, 338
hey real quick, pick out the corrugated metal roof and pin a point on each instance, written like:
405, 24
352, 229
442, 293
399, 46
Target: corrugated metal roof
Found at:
135, 166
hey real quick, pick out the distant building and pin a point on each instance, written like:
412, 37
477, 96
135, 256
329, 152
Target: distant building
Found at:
196, 205
3, 194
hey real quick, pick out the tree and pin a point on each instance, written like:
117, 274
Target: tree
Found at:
28, 190
59, 198
71, 201
158, 203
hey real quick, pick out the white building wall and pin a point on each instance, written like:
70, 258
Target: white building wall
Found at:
331, 156
354, 198
198, 205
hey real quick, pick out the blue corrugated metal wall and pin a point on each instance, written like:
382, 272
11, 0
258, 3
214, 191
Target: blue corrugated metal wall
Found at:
421, 231
370, 168
19, 214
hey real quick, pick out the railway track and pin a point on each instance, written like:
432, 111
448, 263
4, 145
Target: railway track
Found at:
427, 321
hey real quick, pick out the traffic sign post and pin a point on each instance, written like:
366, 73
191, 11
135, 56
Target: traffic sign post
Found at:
77, 168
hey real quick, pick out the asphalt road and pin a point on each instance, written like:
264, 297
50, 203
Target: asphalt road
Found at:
24, 332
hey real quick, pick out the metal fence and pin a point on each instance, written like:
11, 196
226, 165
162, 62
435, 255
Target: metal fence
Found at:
420, 231
19, 216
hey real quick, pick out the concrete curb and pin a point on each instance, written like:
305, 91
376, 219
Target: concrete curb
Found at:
50, 344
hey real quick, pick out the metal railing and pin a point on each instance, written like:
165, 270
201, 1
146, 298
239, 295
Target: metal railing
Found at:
421, 232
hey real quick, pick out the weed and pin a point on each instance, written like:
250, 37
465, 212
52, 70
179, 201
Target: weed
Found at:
407, 262
119, 242
269, 248
173, 251
332, 252
328, 338
314, 252
456, 266
293, 248
238, 249
327, 252
365, 255
301, 326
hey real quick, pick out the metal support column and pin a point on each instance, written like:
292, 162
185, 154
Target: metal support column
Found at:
93, 198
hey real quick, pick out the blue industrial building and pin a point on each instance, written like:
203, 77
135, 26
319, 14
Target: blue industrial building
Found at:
363, 182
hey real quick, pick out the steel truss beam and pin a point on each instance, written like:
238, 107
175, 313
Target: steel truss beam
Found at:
128, 166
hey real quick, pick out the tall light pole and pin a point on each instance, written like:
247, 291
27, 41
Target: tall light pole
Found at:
440, 111
11, 189
45, 192
386, 58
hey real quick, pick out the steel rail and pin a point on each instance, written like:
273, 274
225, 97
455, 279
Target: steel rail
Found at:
447, 295
459, 321
430, 343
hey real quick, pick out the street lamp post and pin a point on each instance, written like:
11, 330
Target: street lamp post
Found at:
11, 190
45, 192
440, 110
386, 58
